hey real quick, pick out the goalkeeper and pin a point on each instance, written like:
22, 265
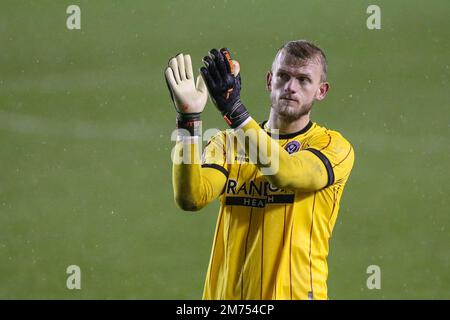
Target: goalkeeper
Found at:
273, 226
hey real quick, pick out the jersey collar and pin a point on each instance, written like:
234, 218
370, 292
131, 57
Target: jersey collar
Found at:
287, 135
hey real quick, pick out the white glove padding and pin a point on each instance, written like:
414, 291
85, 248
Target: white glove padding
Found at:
187, 96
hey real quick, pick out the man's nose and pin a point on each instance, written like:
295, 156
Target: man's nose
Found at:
291, 85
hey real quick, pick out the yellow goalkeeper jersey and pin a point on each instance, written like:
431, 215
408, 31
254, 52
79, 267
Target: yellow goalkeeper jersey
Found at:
270, 242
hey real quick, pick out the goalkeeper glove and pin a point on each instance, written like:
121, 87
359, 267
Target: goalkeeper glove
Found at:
189, 98
224, 86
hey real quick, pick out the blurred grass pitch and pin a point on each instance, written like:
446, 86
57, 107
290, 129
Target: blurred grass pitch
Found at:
86, 119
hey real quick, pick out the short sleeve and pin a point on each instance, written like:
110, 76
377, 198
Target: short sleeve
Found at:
335, 152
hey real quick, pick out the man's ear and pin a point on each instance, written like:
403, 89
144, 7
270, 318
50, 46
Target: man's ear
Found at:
322, 91
269, 81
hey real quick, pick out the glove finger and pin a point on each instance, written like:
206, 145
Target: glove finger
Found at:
237, 68
219, 60
173, 64
228, 61
181, 68
170, 81
170, 77
213, 53
207, 60
208, 80
212, 70
225, 49
201, 86
188, 66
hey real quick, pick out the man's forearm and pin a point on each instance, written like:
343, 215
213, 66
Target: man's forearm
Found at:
302, 171
193, 186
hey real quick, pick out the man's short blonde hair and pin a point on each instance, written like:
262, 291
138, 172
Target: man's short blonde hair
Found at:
303, 51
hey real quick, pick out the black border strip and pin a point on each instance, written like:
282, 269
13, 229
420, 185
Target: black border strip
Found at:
274, 199
327, 164
265, 309
217, 167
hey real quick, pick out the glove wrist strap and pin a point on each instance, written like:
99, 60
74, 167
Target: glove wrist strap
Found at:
189, 124
236, 114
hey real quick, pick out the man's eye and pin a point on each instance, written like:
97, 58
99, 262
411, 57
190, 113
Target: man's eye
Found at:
303, 80
283, 76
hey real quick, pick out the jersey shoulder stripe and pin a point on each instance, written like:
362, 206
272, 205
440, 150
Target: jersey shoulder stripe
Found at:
327, 164
333, 149
217, 167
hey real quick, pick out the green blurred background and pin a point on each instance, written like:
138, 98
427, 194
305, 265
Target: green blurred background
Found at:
85, 135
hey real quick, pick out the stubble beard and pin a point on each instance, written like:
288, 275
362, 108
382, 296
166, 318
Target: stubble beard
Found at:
290, 112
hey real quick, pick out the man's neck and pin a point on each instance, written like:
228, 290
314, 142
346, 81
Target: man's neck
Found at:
284, 125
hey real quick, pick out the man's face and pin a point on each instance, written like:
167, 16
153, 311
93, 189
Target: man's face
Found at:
294, 86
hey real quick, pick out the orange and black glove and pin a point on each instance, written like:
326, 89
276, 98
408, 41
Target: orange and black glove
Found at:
224, 86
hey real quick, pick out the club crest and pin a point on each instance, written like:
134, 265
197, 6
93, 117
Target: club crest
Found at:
292, 147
